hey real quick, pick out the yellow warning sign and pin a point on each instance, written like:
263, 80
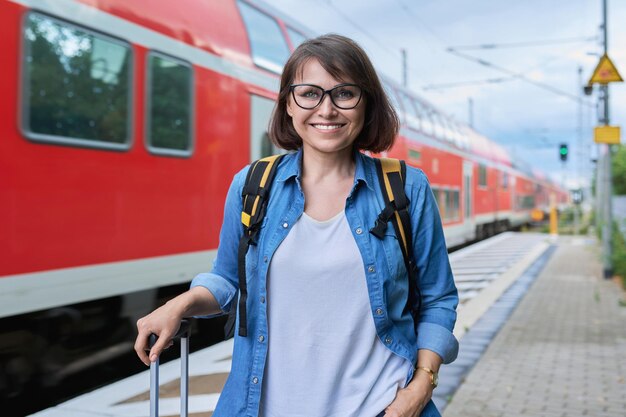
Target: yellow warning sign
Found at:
607, 134
605, 72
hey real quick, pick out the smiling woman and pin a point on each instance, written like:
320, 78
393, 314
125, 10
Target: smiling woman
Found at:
333, 322
335, 60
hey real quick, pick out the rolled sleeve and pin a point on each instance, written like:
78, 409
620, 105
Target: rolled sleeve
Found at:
439, 340
222, 281
436, 283
222, 290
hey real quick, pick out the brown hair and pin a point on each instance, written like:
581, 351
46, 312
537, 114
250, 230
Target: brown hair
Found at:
342, 58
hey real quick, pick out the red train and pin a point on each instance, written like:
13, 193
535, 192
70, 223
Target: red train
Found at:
123, 123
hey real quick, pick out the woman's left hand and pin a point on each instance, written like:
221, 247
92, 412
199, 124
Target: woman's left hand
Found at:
410, 401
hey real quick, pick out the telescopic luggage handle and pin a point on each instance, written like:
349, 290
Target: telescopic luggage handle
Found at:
183, 334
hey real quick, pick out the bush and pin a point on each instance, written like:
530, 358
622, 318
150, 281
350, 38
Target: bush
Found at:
619, 254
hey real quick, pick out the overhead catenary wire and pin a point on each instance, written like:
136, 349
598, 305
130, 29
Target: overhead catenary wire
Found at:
525, 44
517, 75
441, 86
467, 83
363, 31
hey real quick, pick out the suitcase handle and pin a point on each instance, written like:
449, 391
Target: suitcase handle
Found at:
183, 334
184, 331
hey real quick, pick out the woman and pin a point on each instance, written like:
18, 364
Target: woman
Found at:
328, 334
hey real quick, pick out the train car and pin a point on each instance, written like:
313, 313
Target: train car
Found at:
121, 132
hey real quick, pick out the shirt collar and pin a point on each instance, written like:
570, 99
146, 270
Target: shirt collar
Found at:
363, 170
292, 167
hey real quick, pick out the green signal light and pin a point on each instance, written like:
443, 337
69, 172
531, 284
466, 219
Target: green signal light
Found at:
563, 151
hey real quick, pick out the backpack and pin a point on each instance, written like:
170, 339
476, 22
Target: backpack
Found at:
255, 196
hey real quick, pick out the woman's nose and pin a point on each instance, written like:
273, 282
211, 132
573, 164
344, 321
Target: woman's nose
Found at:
326, 107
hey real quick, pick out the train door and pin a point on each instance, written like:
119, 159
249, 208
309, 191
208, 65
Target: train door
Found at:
261, 111
469, 224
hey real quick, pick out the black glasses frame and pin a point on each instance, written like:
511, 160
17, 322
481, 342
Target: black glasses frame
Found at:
324, 92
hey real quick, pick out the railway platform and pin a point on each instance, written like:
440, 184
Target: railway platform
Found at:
561, 353
556, 350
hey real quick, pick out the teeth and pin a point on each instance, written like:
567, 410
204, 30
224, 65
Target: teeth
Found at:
327, 127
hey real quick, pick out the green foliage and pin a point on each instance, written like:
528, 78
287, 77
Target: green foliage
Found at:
77, 83
567, 221
171, 104
619, 171
619, 254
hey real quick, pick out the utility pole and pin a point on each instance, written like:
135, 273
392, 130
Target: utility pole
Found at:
404, 68
579, 154
607, 224
470, 104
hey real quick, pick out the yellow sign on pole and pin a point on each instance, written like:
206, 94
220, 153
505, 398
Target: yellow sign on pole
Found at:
607, 134
605, 72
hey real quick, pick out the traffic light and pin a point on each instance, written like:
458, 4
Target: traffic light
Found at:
563, 151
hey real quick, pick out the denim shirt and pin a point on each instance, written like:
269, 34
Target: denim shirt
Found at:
382, 262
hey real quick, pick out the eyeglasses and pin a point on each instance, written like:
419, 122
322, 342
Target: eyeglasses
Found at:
309, 96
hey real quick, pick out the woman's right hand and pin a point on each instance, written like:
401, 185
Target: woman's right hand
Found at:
163, 322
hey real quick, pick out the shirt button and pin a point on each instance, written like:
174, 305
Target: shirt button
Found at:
371, 269
265, 259
285, 225
262, 299
261, 338
379, 311
388, 340
359, 231
255, 380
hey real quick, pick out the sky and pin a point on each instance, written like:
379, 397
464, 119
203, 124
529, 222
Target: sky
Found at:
533, 42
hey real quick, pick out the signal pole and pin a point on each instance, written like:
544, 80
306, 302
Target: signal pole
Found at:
607, 224
579, 153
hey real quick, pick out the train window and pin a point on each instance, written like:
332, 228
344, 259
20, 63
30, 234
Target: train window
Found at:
482, 175
296, 37
269, 47
415, 156
526, 202
436, 197
452, 205
169, 108
505, 181
76, 85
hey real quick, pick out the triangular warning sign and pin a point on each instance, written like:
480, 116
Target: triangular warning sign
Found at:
605, 72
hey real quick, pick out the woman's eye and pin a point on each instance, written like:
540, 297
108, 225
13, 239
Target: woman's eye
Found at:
308, 93
311, 94
344, 94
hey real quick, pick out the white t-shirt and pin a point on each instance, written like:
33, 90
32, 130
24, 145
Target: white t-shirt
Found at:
324, 356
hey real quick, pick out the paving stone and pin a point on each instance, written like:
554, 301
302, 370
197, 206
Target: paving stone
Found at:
561, 353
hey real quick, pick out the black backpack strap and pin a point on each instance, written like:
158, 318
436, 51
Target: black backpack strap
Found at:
255, 196
391, 175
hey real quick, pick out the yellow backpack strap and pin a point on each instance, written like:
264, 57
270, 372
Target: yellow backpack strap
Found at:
255, 196
391, 173
256, 189
391, 176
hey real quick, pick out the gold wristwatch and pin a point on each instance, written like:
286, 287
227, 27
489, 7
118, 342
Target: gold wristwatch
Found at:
434, 376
